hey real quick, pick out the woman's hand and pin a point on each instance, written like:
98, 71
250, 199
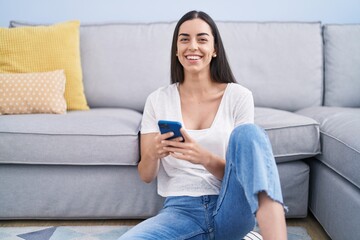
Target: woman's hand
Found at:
188, 150
192, 152
160, 143
152, 149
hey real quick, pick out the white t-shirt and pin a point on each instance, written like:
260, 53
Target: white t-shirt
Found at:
182, 178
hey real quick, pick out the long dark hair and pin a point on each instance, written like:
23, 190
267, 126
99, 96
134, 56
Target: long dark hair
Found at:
220, 70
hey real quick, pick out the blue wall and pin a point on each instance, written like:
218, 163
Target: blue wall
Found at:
91, 11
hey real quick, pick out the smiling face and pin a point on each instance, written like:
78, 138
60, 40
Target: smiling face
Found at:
195, 46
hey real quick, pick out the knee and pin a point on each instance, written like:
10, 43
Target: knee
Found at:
247, 132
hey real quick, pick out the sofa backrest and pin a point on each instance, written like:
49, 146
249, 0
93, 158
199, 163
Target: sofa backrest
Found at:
123, 63
342, 65
282, 63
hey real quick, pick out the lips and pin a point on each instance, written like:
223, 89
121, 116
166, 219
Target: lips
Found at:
193, 57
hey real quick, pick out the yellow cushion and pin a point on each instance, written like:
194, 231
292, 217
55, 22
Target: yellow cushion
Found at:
43, 49
22, 93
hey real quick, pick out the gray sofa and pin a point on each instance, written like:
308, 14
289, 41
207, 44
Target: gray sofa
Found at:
82, 165
334, 176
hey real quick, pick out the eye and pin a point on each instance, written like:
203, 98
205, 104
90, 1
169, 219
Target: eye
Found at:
202, 40
183, 39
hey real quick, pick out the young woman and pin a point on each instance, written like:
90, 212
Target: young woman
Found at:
223, 175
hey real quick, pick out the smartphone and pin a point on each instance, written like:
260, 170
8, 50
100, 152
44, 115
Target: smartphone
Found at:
170, 126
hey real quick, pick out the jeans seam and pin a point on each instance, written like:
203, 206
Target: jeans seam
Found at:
208, 219
225, 186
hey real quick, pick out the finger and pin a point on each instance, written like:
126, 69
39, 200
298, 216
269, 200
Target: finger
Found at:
178, 150
181, 156
186, 136
166, 135
177, 144
162, 152
178, 139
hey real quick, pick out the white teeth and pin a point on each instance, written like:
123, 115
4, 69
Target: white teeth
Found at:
193, 57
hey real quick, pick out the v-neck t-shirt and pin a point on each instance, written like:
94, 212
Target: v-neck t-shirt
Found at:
179, 177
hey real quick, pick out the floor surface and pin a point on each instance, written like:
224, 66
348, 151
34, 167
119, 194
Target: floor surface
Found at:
312, 226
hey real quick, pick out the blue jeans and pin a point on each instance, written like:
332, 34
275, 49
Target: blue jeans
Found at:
250, 169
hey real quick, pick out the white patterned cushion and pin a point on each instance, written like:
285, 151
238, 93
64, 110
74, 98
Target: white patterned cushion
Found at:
22, 93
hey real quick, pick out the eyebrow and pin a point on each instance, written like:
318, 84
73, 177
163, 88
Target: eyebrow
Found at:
199, 34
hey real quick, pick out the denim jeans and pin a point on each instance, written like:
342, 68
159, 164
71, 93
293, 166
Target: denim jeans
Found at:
250, 169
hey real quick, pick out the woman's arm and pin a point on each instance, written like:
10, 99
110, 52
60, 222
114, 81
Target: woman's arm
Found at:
149, 163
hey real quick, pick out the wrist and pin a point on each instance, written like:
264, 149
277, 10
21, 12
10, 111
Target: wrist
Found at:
215, 165
209, 160
148, 157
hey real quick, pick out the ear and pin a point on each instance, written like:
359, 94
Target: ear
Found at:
214, 55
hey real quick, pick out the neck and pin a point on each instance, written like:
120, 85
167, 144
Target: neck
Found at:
197, 83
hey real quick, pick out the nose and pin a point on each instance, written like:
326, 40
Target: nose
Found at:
193, 46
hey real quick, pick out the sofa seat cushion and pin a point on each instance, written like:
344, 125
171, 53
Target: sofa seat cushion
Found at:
292, 136
94, 137
340, 141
